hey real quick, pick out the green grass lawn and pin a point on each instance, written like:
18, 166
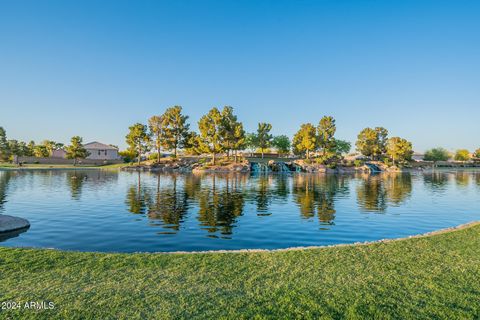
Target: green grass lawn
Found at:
431, 277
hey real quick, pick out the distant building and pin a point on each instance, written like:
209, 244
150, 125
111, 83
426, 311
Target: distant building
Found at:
100, 151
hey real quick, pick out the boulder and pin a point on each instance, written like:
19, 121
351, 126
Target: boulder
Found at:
9, 223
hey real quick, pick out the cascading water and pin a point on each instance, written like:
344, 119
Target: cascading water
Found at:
373, 168
258, 167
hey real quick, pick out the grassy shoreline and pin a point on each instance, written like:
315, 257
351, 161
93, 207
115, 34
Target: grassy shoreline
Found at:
434, 276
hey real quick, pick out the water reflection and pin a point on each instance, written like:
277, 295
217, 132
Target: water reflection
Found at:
169, 212
315, 195
4, 179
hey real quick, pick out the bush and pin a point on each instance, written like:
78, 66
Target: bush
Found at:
358, 163
332, 165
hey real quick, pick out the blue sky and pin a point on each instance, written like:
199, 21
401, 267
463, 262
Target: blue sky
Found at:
92, 68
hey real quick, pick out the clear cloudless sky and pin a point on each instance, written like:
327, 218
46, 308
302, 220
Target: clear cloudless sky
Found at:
92, 68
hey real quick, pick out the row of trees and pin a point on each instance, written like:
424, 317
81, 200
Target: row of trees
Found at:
12, 147
219, 132
440, 154
320, 139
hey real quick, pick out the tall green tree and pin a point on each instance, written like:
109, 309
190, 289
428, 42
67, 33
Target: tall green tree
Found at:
233, 135
436, 154
263, 137
372, 142
342, 147
76, 150
30, 149
156, 125
138, 139
40, 151
211, 129
4, 150
399, 150
476, 154
176, 129
51, 146
326, 131
305, 140
462, 155
13, 147
281, 143
239, 139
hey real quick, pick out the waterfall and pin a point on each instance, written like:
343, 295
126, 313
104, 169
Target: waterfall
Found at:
258, 167
373, 168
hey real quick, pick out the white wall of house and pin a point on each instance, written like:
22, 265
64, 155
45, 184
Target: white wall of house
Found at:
99, 154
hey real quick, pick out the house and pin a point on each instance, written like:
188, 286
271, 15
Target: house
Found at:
100, 151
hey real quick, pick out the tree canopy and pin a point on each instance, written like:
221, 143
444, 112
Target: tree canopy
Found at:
372, 142
263, 137
436, 154
462, 155
399, 149
176, 129
211, 128
75, 150
305, 140
138, 139
281, 143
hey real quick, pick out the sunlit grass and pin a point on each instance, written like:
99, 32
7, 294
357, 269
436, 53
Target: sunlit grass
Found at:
431, 277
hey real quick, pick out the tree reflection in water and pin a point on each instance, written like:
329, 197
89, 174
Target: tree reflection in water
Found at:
315, 194
4, 179
220, 204
221, 199
170, 204
375, 192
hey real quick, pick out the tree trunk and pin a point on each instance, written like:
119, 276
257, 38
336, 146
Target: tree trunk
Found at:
158, 155
139, 155
175, 151
308, 154
262, 152
213, 158
235, 156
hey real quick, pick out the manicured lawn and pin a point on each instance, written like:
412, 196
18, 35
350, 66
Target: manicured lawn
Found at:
432, 277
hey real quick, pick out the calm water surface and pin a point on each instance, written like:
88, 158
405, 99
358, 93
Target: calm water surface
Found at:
93, 210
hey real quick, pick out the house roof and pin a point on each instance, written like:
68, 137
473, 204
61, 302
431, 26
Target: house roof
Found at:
98, 146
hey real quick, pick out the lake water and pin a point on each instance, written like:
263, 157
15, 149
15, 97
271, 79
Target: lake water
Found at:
94, 210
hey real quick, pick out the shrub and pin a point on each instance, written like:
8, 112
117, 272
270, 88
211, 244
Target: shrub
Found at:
358, 163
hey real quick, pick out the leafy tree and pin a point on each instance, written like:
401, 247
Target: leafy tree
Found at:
477, 153
462, 155
52, 146
14, 148
305, 140
239, 139
326, 131
281, 143
138, 139
175, 128
399, 149
40, 151
372, 142
156, 125
128, 155
4, 150
263, 136
76, 150
193, 145
233, 135
250, 141
342, 146
211, 128
436, 154
30, 149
